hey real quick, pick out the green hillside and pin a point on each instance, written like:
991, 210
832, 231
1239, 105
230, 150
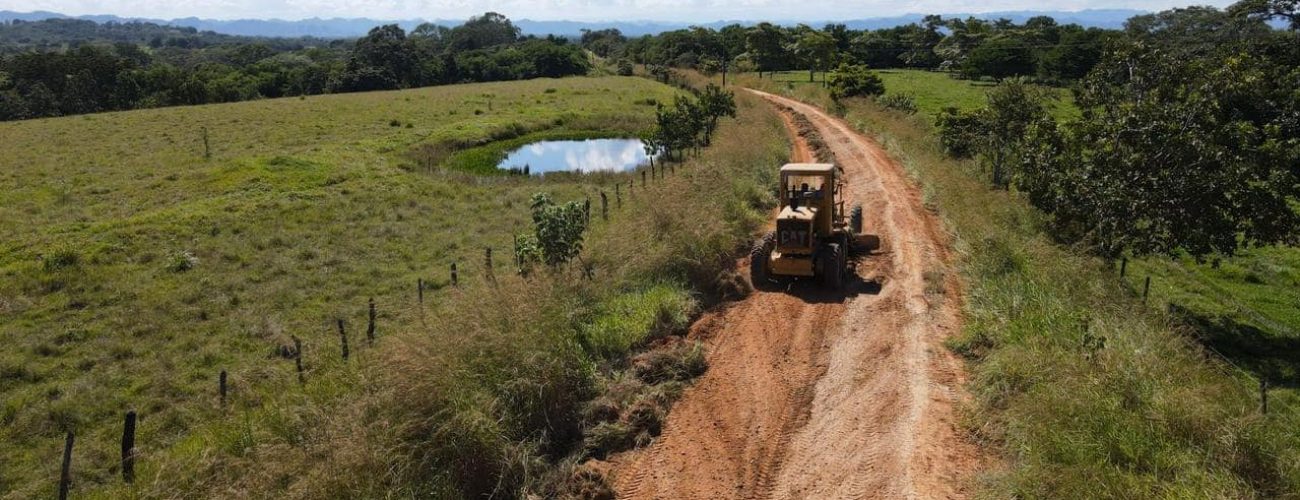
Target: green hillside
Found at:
133, 269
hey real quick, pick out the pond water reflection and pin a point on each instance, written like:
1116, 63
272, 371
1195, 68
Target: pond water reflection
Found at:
592, 155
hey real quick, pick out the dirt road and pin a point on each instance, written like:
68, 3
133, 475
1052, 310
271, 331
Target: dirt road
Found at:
811, 394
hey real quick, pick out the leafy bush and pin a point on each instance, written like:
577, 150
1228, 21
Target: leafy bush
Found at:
557, 232
854, 80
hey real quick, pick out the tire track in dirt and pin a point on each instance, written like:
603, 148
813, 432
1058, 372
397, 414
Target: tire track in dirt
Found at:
812, 394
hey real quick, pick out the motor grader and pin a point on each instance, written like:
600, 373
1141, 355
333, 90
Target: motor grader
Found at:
813, 235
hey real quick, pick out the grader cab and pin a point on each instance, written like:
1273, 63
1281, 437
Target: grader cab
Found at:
813, 235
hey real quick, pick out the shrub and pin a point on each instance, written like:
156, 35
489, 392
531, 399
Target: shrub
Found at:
960, 132
623, 67
905, 103
854, 81
557, 232
182, 261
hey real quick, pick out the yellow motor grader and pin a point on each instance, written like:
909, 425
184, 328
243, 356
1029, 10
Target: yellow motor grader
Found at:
813, 234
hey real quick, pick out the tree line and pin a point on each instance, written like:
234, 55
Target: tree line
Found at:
100, 76
971, 47
1188, 143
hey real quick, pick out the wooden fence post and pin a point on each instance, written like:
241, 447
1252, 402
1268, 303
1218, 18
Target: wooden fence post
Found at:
1263, 395
419, 290
586, 210
370, 327
454, 281
1123, 267
343, 340
1146, 289
643, 178
297, 359
65, 476
221, 387
618, 195
519, 257
604, 206
207, 151
487, 259
128, 447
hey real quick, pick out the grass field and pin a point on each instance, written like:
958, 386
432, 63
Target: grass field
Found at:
1247, 307
133, 269
1087, 391
932, 90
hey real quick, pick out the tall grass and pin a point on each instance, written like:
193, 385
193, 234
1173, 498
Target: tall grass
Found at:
491, 397
1079, 387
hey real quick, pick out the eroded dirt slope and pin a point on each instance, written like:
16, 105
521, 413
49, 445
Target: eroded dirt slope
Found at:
812, 394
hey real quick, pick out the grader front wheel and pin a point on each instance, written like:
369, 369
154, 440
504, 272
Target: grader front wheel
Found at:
832, 264
758, 258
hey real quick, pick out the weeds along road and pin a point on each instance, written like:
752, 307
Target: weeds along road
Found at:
812, 394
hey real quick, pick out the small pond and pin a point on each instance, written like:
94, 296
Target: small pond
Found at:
591, 155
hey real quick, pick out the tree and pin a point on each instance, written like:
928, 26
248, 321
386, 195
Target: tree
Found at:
553, 61
678, 127
854, 81
999, 57
766, 45
878, 49
557, 232
965, 36
603, 43
715, 103
479, 32
1012, 107
815, 49
1074, 56
1184, 155
383, 59
920, 42
996, 132
1288, 10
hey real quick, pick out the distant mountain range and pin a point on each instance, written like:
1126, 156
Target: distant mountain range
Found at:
354, 27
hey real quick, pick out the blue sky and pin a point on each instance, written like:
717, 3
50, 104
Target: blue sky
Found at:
585, 10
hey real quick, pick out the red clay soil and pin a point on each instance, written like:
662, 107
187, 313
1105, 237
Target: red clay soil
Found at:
813, 394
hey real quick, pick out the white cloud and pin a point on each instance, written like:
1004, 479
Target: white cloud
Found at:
667, 10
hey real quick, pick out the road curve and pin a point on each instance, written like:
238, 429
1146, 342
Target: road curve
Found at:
811, 394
